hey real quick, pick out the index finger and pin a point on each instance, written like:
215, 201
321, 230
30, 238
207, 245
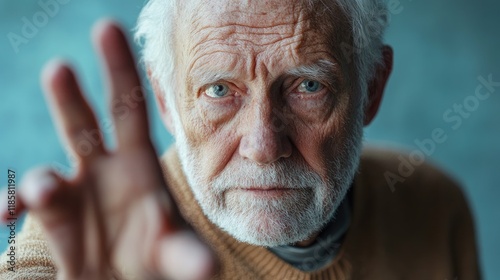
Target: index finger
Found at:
127, 100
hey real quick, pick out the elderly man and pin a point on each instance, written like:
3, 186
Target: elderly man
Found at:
267, 101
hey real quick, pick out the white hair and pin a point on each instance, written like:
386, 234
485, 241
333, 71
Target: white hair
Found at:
367, 19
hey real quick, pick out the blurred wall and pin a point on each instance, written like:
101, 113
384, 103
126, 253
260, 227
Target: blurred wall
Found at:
443, 51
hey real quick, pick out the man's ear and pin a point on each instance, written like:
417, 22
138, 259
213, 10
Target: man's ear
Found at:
165, 114
377, 85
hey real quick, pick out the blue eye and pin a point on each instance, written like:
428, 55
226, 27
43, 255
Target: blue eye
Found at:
309, 86
217, 90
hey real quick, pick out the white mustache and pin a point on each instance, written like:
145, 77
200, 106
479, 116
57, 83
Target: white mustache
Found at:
279, 175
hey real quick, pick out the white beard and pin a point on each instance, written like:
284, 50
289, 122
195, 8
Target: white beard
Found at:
291, 218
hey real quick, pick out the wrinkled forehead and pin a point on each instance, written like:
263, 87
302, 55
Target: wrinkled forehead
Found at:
249, 13
291, 28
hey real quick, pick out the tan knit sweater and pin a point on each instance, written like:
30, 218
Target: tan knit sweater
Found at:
422, 229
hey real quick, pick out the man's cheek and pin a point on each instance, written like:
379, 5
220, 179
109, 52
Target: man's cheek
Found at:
320, 143
217, 150
196, 127
314, 151
217, 113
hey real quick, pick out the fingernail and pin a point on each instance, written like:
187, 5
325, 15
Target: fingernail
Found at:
100, 28
185, 257
49, 71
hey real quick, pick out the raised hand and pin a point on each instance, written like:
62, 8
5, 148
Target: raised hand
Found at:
115, 212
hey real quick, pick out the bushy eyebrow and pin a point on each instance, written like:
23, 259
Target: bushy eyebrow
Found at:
213, 77
322, 70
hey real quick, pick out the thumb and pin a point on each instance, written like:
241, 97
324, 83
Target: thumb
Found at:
56, 206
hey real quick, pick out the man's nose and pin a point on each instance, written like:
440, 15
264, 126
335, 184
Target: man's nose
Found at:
264, 138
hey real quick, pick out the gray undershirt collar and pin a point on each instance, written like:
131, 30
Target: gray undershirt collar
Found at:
325, 247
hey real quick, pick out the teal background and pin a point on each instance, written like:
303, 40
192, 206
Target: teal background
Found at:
441, 48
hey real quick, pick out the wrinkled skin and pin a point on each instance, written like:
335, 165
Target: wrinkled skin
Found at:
115, 211
253, 50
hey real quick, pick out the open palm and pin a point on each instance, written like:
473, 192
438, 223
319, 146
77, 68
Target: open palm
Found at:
115, 211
